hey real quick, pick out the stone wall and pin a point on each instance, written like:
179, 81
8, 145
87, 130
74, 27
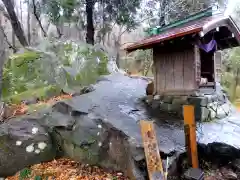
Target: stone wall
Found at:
207, 106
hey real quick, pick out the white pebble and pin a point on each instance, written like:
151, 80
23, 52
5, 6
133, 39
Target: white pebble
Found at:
37, 151
110, 143
18, 143
34, 130
98, 133
42, 145
99, 126
100, 144
30, 148
119, 174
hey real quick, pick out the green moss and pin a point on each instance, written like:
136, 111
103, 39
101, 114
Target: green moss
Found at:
87, 155
38, 107
3, 146
41, 93
28, 75
23, 58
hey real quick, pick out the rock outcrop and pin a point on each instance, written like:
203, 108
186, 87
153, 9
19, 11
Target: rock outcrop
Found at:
101, 128
23, 143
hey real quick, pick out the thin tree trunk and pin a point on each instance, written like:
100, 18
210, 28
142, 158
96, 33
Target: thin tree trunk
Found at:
47, 27
162, 13
13, 34
2, 58
28, 22
59, 31
117, 43
15, 22
148, 68
117, 46
104, 34
37, 18
90, 27
21, 12
13, 39
236, 85
6, 39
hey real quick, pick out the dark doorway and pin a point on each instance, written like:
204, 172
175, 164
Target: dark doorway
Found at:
207, 65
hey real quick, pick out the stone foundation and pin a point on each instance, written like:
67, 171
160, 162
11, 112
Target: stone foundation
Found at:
207, 106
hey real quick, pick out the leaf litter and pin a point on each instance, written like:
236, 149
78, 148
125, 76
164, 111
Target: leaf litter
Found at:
66, 169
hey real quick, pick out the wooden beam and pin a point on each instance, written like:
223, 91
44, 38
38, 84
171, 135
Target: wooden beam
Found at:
152, 153
190, 134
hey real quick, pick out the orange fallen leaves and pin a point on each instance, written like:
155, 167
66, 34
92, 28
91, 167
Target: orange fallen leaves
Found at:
21, 109
65, 169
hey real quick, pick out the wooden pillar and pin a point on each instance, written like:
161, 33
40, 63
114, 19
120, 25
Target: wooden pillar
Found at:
217, 66
190, 135
152, 153
197, 63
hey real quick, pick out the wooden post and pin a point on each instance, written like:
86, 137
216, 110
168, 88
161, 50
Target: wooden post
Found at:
153, 159
190, 134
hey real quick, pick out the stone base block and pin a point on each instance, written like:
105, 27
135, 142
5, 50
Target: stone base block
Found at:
207, 108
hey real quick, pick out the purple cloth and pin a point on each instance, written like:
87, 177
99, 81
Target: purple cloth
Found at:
209, 46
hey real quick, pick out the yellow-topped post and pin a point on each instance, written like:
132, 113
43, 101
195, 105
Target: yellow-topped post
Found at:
190, 134
152, 153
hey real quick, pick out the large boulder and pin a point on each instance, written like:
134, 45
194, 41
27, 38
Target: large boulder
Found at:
102, 128
23, 143
66, 66
95, 141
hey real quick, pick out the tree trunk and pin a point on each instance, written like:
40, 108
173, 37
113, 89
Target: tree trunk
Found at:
148, 68
162, 13
235, 85
117, 46
13, 33
90, 27
15, 22
2, 57
13, 39
28, 22
59, 31
21, 11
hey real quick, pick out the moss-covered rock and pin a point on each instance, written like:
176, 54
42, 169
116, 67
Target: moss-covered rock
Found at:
65, 65
24, 58
23, 143
40, 93
19, 72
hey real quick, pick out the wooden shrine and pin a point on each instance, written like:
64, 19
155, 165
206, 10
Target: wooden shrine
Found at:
186, 53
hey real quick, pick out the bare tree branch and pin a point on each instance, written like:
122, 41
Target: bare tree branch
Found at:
37, 18
2, 9
6, 39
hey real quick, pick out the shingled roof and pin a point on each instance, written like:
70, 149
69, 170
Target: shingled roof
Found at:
201, 23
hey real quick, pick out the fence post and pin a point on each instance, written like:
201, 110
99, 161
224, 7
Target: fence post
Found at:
190, 135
